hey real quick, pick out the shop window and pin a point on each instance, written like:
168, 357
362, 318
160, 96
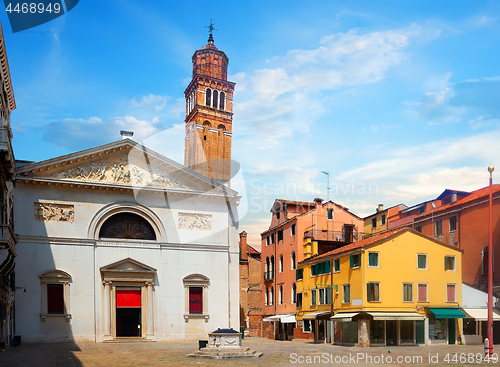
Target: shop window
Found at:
406, 332
350, 332
377, 332
373, 292
469, 327
437, 329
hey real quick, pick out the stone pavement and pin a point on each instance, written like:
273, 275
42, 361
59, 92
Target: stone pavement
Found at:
276, 353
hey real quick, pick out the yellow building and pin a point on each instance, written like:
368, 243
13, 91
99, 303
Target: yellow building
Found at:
394, 288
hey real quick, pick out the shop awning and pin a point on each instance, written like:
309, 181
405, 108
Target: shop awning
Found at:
344, 316
285, 319
395, 315
447, 313
481, 314
288, 319
313, 315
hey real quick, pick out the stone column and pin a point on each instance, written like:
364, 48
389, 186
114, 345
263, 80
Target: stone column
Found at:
363, 335
150, 333
107, 311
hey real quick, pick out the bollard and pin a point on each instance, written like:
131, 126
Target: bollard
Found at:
486, 348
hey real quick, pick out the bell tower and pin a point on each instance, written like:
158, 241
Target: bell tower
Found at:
209, 113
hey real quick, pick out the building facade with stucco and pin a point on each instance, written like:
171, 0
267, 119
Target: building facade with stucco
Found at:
118, 241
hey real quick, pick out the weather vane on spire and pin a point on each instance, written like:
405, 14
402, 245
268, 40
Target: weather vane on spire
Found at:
211, 28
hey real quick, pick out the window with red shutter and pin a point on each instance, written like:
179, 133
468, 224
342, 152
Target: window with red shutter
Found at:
422, 293
195, 300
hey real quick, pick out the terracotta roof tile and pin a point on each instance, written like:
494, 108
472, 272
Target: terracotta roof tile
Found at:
298, 203
474, 195
359, 244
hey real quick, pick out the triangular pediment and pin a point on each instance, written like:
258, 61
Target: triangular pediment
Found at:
128, 265
124, 163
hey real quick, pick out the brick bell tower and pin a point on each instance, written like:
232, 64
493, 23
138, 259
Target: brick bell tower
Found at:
209, 114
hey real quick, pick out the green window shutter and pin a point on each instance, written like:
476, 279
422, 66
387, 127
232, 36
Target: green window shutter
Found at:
337, 264
297, 274
370, 259
445, 263
327, 267
318, 269
328, 296
351, 259
322, 268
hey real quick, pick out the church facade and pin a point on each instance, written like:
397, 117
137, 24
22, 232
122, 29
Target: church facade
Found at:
118, 241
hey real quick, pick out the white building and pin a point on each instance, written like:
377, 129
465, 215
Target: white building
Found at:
119, 241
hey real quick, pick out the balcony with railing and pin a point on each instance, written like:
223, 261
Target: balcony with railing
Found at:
347, 235
268, 276
7, 238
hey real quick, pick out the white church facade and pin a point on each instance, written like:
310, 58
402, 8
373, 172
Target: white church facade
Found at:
118, 241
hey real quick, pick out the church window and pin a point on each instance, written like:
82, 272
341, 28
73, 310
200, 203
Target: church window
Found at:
55, 298
55, 294
221, 127
222, 101
195, 300
196, 286
127, 225
216, 99
208, 97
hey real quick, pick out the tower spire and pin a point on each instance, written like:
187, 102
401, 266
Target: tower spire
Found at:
210, 32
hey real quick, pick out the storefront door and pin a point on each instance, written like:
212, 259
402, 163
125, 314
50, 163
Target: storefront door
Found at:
451, 331
391, 333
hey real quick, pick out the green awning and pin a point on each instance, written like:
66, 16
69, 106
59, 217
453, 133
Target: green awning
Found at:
447, 313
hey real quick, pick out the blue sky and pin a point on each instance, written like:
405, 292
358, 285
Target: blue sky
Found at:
397, 101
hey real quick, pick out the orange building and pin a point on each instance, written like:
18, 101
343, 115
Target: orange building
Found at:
296, 228
461, 219
209, 114
250, 288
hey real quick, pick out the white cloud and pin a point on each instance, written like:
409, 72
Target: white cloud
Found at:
151, 102
483, 121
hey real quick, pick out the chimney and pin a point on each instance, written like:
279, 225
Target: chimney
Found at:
380, 208
243, 246
126, 134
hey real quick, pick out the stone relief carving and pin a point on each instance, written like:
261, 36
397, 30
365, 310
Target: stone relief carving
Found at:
54, 212
199, 222
120, 173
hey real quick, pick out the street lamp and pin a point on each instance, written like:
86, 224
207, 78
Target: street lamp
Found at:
490, 272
